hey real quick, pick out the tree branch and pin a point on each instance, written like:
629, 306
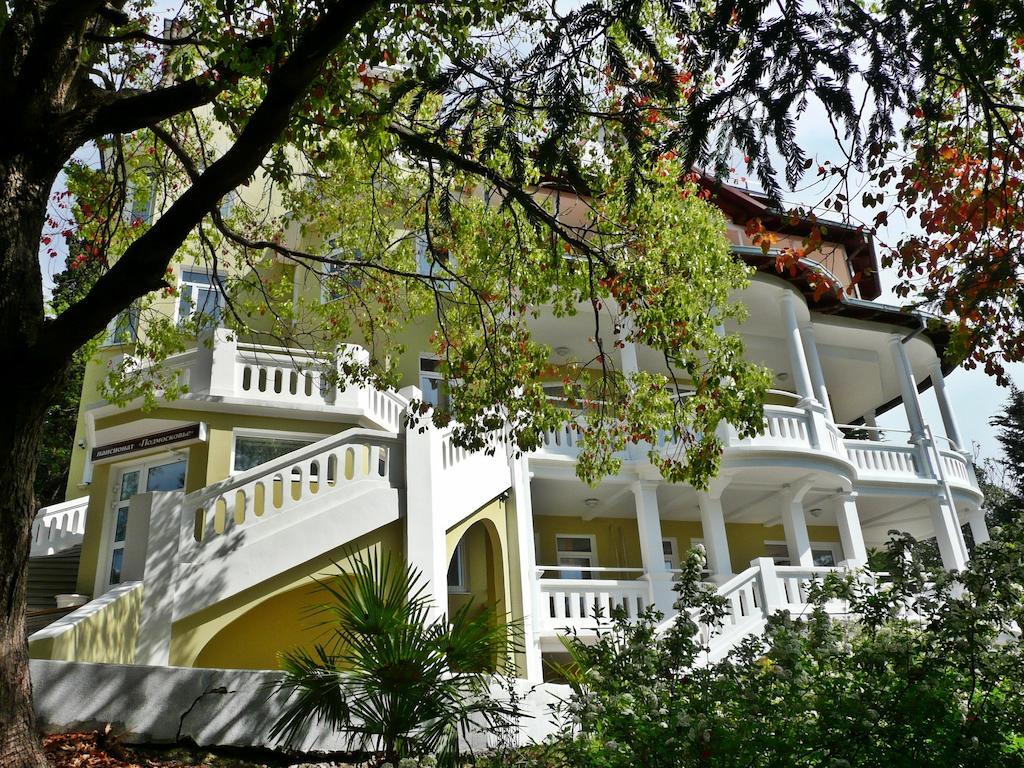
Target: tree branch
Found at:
142, 267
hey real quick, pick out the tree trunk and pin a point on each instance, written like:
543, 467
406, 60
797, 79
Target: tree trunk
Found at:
19, 744
28, 383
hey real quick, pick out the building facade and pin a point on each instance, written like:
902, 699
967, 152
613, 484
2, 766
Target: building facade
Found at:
198, 525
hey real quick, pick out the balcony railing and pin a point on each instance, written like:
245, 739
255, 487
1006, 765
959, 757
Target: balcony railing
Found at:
278, 376
803, 430
587, 603
59, 527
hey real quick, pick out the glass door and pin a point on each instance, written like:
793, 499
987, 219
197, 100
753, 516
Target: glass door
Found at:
158, 475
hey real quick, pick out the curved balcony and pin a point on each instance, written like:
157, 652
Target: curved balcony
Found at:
806, 432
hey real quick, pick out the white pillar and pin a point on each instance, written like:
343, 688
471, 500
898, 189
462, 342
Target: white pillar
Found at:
855, 553
425, 533
797, 358
948, 418
814, 363
223, 359
947, 535
979, 527
908, 387
521, 503
870, 421
652, 550
794, 523
163, 522
716, 543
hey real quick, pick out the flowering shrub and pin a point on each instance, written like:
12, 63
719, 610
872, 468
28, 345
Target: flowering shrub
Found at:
929, 673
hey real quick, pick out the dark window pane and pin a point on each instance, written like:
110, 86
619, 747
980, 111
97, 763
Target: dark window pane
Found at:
115, 566
167, 477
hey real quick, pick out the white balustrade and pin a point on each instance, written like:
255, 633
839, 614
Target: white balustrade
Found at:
795, 583
562, 441
283, 485
784, 427
587, 603
59, 527
958, 471
744, 595
884, 460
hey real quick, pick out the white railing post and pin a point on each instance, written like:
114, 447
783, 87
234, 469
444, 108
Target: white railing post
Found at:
772, 596
160, 515
223, 363
426, 546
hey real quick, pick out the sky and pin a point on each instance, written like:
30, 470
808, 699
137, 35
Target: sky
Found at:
975, 397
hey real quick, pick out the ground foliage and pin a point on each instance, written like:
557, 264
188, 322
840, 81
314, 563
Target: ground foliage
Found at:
392, 676
930, 673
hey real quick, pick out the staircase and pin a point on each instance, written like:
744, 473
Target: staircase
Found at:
49, 576
251, 527
755, 594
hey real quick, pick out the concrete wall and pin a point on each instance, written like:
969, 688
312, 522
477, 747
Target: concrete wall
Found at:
104, 630
212, 707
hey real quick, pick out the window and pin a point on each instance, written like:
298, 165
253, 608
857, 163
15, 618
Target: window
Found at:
253, 450
143, 201
434, 263
671, 552
432, 383
198, 295
824, 554
124, 328
336, 278
457, 570
227, 204
576, 552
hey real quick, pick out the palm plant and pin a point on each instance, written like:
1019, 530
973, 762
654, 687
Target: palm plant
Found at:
389, 677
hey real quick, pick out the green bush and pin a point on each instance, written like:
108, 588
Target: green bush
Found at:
929, 674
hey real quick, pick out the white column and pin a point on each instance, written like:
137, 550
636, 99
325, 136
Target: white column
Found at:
794, 523
652, 550
814, 363
522, 546
948, 418
855, 553
716, 543
948, 536
870, 421
908, 387
797, 358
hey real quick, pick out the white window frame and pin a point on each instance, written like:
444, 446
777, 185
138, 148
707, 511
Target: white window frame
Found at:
833, 546
673, 542
591, 555
461, 587
272, 434
178, 319
424, 374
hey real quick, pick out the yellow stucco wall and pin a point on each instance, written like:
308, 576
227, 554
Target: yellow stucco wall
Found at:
248, 631
105, 636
